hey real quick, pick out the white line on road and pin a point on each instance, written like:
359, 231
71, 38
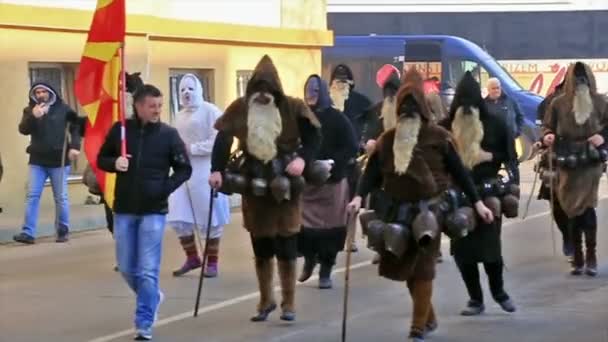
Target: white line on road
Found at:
217, 306
253, 295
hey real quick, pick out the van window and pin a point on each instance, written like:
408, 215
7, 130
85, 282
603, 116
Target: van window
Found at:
457, 68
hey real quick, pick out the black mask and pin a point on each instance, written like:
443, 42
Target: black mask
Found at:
409, 108
580, 74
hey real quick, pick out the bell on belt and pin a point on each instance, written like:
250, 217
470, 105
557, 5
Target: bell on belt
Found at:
593, 154
297, 185
493, 203
234, 183
572, 161
455, 225
583, 158
561, 161
510, 206
514, 190
365, 218
375, 235
280, 189
462, 219
425, 227
603, 154
259, 186
318, 173
396, 239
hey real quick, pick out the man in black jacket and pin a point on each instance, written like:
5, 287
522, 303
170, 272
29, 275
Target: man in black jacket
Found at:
143, 186
45, 120
507, 109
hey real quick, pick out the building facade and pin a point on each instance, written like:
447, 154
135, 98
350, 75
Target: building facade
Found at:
221, 41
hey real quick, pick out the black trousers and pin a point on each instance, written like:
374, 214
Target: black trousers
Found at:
322, 245
285, 248
109, 215
470, 275
584, 225
562, 221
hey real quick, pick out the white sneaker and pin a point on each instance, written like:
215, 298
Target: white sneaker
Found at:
161, 296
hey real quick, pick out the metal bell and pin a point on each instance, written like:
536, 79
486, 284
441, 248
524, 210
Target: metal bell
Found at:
514, 190
297, 185
280, 189
365, 218
318, 173
425, 227
493, 203
396, 239
561, 161
375, 235
571, 161
510, 206
603, 154
593, 154
259, 186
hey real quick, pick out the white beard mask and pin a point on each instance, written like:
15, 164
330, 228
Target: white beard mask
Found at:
468, 133
389, 113
582, 105
406, 138
338, 92
264, 126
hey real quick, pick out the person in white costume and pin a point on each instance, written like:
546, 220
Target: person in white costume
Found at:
194, 122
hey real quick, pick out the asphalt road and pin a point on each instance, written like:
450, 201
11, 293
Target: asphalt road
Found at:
52, 292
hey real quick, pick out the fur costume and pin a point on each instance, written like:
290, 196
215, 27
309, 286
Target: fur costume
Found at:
263, 216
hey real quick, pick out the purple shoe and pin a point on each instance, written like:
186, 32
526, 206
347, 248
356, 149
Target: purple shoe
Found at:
211, 270
189, 265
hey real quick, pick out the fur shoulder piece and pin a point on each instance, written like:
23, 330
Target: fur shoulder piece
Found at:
300, 109
234, 118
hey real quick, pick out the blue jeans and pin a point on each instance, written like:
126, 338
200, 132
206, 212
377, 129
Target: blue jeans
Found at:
139, 241
39, 175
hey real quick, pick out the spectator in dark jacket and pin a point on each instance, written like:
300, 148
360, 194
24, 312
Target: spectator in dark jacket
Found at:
143, 186
508, 110
45, 120
504, 107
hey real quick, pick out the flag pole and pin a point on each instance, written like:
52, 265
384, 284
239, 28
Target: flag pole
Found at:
122, 101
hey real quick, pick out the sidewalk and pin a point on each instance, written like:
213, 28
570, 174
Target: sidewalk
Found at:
82, 217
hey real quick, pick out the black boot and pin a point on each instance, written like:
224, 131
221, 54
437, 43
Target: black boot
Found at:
325, 276
307, 269
578, 261
591, 256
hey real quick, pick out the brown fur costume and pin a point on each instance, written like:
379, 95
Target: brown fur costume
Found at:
426, 178
263, 216
577, 189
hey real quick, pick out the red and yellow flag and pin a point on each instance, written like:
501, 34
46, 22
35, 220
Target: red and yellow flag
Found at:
97, 85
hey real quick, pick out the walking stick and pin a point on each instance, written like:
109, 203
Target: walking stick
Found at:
212, 194
551, 195
63, 152
536, 175
195, 230
350, 233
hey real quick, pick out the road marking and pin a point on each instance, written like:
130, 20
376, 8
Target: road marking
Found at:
253, 295
217, 306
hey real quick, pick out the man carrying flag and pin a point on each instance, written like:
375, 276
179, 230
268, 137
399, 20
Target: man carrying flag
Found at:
139, 192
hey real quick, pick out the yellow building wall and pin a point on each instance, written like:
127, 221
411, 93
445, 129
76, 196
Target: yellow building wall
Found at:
155, 54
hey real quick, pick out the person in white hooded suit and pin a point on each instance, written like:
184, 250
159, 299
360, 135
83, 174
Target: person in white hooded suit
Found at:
194, 122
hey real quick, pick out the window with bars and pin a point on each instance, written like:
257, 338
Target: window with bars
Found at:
242, 78
61, 77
